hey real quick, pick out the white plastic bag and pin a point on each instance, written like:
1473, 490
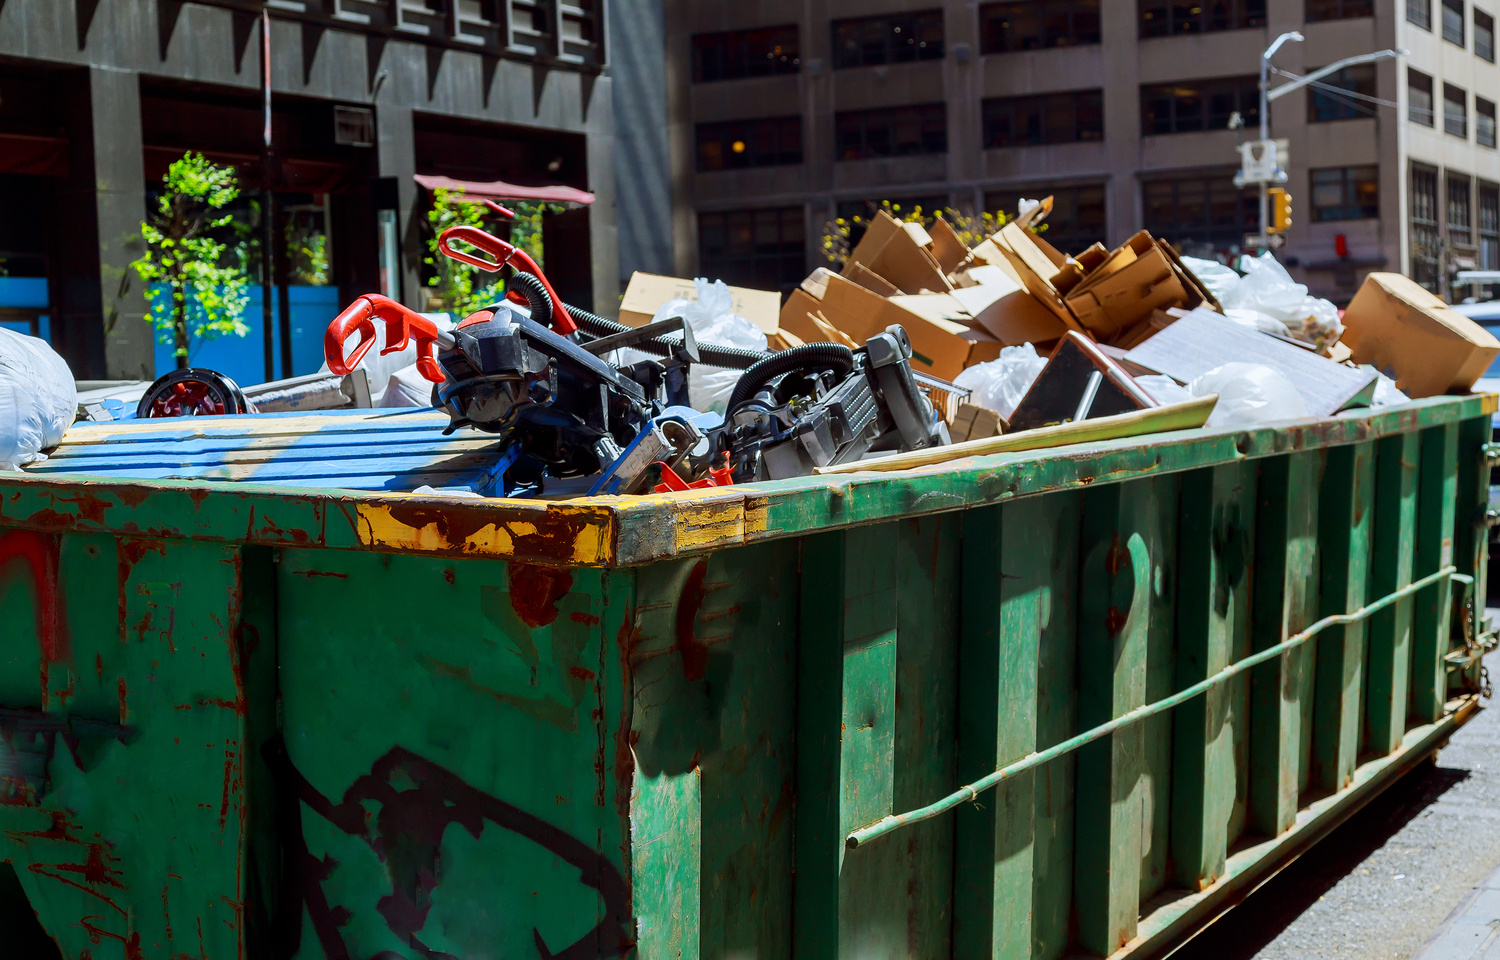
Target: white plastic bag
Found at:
1000, 384
1268, 288
1249, 393
405, 388
1386, 391
713, 320
38, 399
380, 368
1218, 278
1163, 389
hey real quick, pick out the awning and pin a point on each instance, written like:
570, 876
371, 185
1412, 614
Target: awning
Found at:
500, 190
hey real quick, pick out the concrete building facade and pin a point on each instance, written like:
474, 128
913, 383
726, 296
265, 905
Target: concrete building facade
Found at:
786, 114
97, 96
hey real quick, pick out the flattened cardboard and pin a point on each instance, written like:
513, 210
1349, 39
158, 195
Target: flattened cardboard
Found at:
889, 249
1002, 306
1033, 261
870, 280
1202, 340
1396, 325
947, 249
936, 348
797, 306
648, 291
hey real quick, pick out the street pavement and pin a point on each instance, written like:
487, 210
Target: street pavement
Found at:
1413, 874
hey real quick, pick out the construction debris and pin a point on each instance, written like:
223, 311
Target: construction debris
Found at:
1411, 335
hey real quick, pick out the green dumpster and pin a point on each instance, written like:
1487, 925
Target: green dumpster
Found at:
1076, 701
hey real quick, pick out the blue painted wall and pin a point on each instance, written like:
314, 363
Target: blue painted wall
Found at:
243, 358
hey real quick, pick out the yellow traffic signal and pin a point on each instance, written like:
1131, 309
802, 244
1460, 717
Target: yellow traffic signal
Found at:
1281, 210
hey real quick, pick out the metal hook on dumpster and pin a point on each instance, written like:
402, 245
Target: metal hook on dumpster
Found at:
402, 324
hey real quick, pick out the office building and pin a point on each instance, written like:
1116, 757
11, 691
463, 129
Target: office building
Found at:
785, 115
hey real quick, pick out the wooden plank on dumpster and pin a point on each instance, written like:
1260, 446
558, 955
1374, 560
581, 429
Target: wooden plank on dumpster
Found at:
845, 728
1388, 663
1202, 340
1215, 560
1344, 543
1284, 602
1115, 583
1437, 494
1177, 416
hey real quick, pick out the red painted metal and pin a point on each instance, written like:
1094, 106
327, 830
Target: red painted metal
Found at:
401, 325
503, 252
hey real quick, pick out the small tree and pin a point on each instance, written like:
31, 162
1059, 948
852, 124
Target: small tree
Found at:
206, 297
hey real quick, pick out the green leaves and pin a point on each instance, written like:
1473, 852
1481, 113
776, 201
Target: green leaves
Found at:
207, 297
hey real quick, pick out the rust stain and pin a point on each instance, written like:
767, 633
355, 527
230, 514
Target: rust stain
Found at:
1114, 621
321, 573
587, 619
99, 666
534, 592
128, 553
582, 673
1115, 559
694, 651
38, 552
132, 496
448, 575
124, 692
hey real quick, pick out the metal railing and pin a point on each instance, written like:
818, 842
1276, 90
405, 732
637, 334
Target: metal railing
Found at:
972, 791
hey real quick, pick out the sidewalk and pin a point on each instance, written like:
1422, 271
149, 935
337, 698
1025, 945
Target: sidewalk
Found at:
1472, 931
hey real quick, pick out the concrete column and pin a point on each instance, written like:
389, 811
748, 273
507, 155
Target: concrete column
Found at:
396, 141
120, 203
605, 235
1122, 119
642, 151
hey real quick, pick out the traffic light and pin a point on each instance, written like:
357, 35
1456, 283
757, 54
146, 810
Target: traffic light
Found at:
1281, 210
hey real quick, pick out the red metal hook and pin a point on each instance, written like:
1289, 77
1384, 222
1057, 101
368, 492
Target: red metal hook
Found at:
503, 252
401, 324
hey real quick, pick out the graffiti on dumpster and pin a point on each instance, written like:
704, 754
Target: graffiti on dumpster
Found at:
417, 802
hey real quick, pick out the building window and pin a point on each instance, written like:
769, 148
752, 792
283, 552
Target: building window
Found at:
1425, 249
1419, 13
891, 131
1077, 220
1165, 18
745, 53
1204, 216
1194, 105
1346, 193
770, 142
1324, 104
898, 38
1484, 35
1455, 111
1419, 97
1456, 197
1484, 122
753, 248
1489, 226
1072, 117
1338, 9
1009, 27
1453, 21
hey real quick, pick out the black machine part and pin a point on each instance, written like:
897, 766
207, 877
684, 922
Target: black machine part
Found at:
193, 392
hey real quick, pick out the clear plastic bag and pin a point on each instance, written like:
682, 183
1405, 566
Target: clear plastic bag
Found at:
1386, 391
1269, 289
1218, 278
1163, 389
1000, 384
38, 399
1249, 393
713, 320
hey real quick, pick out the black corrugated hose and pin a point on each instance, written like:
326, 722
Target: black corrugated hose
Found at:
825, 356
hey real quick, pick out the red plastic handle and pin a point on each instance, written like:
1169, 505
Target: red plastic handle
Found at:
503, 252
402, 325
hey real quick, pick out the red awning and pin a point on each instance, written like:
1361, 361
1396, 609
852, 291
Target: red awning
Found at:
500, 190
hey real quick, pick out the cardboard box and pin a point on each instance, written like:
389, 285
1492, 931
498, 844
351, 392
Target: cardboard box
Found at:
899, 255
1404, 330
1036, 264
937, 347
947, 249
870, 280
648, 291
1137, 278
1202, 340
974, 423
1006, 309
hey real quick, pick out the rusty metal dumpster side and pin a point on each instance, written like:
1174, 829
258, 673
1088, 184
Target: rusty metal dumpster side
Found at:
246, 721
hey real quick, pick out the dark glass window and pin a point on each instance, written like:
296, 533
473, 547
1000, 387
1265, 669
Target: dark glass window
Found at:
1077, 221
736, 144
897, 38
1489, 226
1070, 117
1324, 104
1008, 27
1203, 216
1456, 190
1419, 98
891, 131
1484, 122
753, 248
745, 53
1419, 12
1453, 21
1425, 252
1346, 193
1194, 105
1338, 9
1484, 36
1165, 18
1455, 111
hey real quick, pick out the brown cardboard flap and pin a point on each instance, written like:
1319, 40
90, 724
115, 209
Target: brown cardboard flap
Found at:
862, 314
1199, 294
1127, 294
890, 250
1396, 325
798, 305
947, 249
1007, 310
1036, 270
870, 280
646, 293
